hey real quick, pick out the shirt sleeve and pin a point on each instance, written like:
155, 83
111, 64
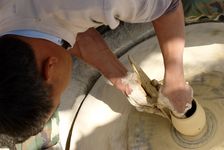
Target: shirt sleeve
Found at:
174, 4
133, 11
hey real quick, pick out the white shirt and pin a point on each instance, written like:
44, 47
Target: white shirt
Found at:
65, 18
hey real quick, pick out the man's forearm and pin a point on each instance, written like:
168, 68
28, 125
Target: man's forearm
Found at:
91, 48
170, 32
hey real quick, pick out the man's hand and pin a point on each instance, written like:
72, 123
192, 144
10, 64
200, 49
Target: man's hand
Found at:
177, 99
136, 94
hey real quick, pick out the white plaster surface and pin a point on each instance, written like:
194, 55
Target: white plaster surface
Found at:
82, 80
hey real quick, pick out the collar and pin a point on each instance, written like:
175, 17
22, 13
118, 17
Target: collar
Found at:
41, 35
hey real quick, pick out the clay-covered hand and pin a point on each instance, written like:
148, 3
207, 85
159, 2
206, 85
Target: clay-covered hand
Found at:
178, 100
136, 95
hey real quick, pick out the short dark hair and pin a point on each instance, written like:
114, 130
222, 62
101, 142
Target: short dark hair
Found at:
25, 103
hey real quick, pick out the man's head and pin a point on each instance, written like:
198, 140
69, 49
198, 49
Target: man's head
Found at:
32, 78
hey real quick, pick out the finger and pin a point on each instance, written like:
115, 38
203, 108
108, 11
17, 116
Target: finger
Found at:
128, 90
156, 84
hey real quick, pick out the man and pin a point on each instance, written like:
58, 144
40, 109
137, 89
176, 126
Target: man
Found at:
36, 67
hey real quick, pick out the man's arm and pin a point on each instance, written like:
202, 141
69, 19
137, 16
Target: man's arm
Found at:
170, 32
92, 49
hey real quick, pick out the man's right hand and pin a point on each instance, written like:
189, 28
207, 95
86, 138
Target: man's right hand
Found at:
177, 99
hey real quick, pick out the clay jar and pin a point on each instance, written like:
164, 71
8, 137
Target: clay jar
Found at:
194, 122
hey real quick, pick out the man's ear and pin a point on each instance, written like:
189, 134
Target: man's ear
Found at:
49, 67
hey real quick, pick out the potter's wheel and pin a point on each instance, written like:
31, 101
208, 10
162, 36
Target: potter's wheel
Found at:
144, 131
107, 121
